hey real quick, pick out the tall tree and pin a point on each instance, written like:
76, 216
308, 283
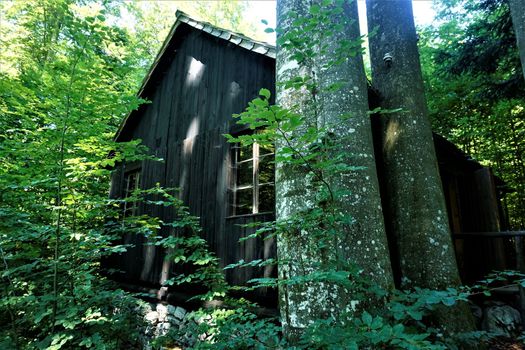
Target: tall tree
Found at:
321, 79
517, 9
416, 211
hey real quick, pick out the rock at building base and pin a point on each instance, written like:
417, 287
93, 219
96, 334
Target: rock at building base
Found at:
503, 320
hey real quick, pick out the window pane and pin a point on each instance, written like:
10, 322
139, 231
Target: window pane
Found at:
243, 153
244, 202
244, 188
266, 198
244, 174
266, 169
266, 149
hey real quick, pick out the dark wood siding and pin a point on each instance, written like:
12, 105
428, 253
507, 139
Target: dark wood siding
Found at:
473, 206
199, 83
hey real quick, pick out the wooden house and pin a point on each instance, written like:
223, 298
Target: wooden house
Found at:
203, 75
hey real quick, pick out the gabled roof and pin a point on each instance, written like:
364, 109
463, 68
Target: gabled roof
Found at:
237, 39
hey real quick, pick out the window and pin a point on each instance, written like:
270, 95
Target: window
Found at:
252, 189
131, 183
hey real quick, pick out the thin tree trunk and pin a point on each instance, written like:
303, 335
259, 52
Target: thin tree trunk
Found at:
60, 179
517, 10
416, 210
362, 242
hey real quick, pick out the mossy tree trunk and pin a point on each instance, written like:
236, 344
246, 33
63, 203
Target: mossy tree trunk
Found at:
517, 10
361, 241
416, 209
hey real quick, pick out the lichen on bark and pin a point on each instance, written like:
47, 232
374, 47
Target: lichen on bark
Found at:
343, 114
416, 211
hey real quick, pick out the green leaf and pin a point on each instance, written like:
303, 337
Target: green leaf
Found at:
315, 9
415, 314
449, 301
398, 329
366, 318
265, 92
377, 323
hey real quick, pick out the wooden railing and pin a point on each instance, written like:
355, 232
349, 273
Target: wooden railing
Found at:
500, 234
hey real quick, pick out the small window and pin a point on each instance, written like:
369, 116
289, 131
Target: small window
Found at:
252, 188
131, 183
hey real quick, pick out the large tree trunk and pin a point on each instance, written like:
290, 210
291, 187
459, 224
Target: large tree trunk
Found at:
364, 241
416, 211
517, 10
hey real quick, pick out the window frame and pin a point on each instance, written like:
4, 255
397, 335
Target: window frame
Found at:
255, 185
131, 208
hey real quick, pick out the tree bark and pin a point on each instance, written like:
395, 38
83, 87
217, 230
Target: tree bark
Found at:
517, 10
362, 242
416, 213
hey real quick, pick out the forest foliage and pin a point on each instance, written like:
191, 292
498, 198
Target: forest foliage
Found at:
475, 89
69, 71
68, 78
